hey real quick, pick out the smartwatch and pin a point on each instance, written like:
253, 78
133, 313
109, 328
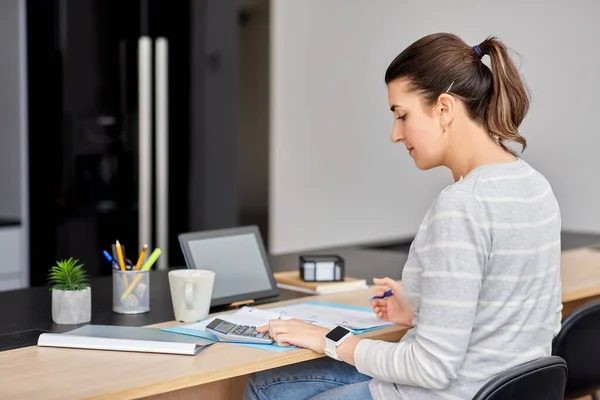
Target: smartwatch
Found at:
334, 338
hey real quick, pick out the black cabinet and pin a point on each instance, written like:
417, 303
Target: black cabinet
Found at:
132, 112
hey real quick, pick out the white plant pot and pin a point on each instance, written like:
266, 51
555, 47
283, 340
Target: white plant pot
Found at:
72, 306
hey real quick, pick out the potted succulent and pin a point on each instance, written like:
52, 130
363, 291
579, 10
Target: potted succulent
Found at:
71, 292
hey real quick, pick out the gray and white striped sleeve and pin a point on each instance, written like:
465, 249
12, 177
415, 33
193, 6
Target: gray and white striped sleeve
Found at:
452, 258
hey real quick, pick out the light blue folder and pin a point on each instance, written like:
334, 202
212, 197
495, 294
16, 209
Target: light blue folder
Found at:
274, 347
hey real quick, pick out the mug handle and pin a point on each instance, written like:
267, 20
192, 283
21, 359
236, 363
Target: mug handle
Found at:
189, 295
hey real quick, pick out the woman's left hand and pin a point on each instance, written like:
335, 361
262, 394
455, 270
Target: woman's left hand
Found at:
294, 332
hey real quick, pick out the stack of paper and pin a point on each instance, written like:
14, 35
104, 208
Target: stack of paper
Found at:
329, 315
291, 280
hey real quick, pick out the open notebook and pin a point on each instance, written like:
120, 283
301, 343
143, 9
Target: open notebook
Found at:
126, 338
328, 315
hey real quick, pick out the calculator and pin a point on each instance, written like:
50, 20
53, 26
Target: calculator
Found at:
230, 332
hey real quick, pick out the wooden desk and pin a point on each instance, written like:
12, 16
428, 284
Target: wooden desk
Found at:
580, 275
219, 372
216, 373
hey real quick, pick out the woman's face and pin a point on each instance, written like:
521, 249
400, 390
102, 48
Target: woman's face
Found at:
416, 125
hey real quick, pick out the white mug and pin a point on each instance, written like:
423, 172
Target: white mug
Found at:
191, 293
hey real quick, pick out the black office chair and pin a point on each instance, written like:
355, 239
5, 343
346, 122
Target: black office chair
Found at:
541, 379
577, 343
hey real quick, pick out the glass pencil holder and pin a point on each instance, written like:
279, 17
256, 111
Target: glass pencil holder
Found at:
131, 291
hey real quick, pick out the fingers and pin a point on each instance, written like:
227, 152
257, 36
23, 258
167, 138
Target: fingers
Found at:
390, 283
274, 323
282, 339
277, 327
380, 312
279, 330
379, 309
379, 302
381, 287
273, 327
379, 305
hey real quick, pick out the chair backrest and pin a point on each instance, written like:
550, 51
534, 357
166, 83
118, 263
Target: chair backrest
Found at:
544, 378
577, 343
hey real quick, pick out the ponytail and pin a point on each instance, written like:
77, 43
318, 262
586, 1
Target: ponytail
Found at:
509, 100
497, 100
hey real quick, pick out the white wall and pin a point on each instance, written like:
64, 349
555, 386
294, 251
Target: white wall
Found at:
335, 176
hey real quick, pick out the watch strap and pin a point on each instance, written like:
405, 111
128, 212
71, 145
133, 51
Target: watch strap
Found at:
331, 349
331, 346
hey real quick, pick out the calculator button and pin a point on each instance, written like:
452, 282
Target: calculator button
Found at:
260, 335
266, 336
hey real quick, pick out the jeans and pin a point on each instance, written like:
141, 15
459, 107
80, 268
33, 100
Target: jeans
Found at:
323, 378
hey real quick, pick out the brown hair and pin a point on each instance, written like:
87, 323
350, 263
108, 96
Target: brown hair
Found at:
497, 99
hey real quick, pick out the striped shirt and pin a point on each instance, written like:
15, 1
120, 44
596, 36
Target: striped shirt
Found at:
483, 274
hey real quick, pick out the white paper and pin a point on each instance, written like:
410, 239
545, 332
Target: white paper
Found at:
309, 271
325, 270
244, 316
353, 319
254, 317
322, 315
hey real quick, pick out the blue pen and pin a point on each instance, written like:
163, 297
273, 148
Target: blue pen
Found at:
110, 259
386, 294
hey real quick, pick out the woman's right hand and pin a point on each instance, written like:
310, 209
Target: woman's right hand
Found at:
396, 308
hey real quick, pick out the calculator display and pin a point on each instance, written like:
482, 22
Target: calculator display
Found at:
224, 327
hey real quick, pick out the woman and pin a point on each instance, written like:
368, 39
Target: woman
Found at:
481, 288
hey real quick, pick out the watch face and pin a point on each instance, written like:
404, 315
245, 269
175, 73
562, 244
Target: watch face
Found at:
337, 333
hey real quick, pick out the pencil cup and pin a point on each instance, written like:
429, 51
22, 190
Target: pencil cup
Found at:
131, 291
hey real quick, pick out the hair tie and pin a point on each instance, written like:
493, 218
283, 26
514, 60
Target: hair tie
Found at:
478, 51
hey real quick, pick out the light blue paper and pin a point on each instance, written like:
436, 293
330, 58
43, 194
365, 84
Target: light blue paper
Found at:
198, 333
274, 347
